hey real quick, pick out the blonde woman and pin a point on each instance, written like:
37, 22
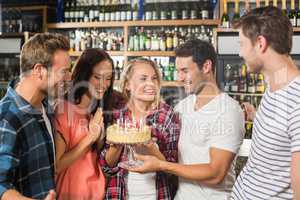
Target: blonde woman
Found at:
141, 86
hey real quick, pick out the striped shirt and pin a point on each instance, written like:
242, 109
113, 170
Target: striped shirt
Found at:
26, 148
276, 135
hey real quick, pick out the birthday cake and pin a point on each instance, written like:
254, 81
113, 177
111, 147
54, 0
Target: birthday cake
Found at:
129, 135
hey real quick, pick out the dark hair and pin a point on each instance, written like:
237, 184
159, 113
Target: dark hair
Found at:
199, 50
83, 72
271, 23
40, 49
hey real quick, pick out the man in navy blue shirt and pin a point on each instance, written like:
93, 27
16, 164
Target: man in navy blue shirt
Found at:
27, 151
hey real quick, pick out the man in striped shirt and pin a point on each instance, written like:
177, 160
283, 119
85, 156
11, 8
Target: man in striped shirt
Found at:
272, 170
27, 153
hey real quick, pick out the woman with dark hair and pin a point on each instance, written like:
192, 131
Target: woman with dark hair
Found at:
80, 124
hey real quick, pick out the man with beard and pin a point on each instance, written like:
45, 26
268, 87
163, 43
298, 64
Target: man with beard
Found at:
272, 170
27, 151
212, 129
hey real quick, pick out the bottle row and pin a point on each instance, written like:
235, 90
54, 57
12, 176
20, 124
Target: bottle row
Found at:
166, 39
125, 10
140, 39
239, 8
165, 65
238, 79
15, 21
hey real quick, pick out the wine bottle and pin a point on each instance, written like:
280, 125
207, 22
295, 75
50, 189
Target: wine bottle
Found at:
283, 7
236, 15
292, 14
225, 17
267, 3
298, 15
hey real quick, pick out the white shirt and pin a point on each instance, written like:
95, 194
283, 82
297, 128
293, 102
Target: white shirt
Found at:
49, 128
218, 124
141, 186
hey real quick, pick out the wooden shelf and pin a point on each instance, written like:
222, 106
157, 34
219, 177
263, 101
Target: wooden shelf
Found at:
9, 35
231, 30
191, 22
111, 53
132, 23
296, 29
117, 83
26, 8
226, 30
246, 94
131, 53
150, 53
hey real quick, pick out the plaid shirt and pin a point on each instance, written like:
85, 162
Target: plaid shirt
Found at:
165, 127
26, 148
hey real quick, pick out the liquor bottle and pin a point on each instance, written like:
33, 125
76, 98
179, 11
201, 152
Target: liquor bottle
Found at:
155, 42
142, 39
171, 71
102, 13
184, 12
174, 14
131, 43
119, 7
236, 15
227, 77
67, 11
148, 41
275, 3
193, 10
162, 40
155, 12
298, 15
251, 83
135, 11
225, 17
117, 71
148, 12
162, 12
113, 11
234, 87
260, 85
169, 41
175, 38
283, 7
292, 14
136, 40
243, 79
267, 3
128, 12
205, 10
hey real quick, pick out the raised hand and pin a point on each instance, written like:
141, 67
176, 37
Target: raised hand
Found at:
96, 125
51, 195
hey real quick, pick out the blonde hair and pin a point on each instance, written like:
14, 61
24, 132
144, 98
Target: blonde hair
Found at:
127, 74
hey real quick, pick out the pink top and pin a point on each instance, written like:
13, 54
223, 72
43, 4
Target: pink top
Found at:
84, 179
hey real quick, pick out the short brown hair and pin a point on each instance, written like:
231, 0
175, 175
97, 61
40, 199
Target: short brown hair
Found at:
271, 23
40, 49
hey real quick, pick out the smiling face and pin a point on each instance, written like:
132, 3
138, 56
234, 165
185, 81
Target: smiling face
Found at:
100, 79
189, 74
58, 74
143, 83
250, 53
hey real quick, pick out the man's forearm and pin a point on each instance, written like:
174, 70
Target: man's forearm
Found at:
13, 194
198, 172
